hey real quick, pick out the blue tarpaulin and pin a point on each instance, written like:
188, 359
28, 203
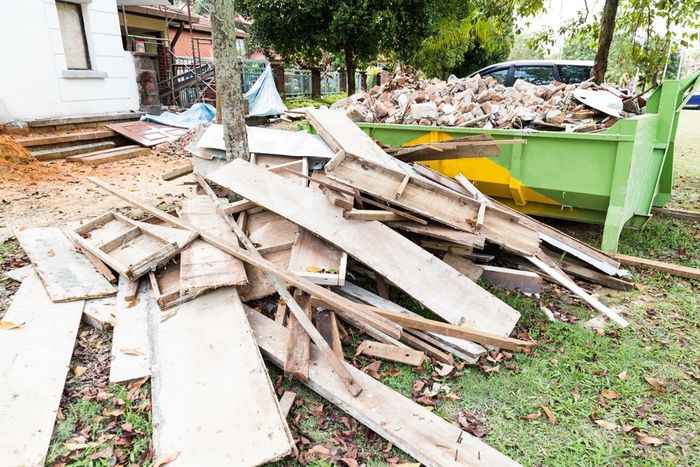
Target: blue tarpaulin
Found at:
263, 98
190, 118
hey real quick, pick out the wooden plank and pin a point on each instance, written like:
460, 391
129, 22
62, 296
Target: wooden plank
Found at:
427, 437
45, 140
147, 133
238, 206
286, 402
270, 231
203, 266
391, 353
252, 258
512, 279
327, 325
463, 346
213, 402
317, 260
440, 179
258, 286
281, 313
100, 313
177, 173
66, 274
438, 152
548, 267
36, 357
296, 361
131, 290
101, 157
677, 214
100, 266
372, 215
434, 202
406, 265
130, 342
19, 274
578, 268
102, 151
468, 268
669, 268
442, 232
341, 133
61, 153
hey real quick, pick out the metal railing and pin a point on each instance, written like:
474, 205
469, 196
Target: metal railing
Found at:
251, 71
297, 82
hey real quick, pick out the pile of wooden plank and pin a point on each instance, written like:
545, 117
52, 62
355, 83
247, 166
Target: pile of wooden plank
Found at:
176, 287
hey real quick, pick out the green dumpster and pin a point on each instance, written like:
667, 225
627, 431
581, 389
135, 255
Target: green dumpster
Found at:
612, 178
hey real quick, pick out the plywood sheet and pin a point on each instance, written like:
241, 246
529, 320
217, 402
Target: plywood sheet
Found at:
213, 401
66, 274
423, 276
147, 133
33, 368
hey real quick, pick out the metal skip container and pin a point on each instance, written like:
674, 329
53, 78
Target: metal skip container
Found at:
612, 178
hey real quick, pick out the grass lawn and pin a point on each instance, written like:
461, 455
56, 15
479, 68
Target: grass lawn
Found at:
584, 397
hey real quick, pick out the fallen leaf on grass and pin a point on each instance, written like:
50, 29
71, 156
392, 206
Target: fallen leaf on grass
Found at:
79, 370
550, 416
656, 383
443, 369
320, 451
114, 413
425, 400
623, 375
649, 440
473, 424
316, 411
533, 416
348, 462
606, 424
10, 325
609, 394
166, 459
130, 351
373, 369
577, 393
78, 446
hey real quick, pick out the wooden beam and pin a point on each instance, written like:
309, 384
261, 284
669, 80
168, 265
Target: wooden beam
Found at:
512, 279
391, 353
677, 214
178, 172
328, 327
441, 232
296, 362
669, 268
427, 437
406, 265
433, 202
372, 215
286, 402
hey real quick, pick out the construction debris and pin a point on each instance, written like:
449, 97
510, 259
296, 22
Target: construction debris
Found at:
484, 103
310, 233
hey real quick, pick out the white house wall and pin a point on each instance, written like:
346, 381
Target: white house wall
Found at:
32, 81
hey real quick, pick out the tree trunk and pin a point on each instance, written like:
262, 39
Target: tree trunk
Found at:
228, 78
350, 70
607, 29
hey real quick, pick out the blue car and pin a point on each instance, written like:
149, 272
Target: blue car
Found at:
693, 102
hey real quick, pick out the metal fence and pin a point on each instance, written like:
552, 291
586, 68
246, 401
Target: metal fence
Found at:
252, 69
297, 82
330, 83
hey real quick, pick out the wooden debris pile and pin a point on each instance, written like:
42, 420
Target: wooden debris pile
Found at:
484, 103
176, 288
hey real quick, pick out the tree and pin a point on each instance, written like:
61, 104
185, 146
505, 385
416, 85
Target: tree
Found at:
607, 28
357, 29
228, 78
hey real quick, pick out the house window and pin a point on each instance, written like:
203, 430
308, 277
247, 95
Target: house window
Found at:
70, 17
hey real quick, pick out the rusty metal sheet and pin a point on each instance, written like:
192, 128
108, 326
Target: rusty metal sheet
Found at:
147, 133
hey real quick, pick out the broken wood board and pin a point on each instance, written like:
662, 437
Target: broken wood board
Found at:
443, 233
440, 179
372, 215
270, 232
131, 248
355, 292
433, 202
130, 342
448, 150
110, 155
258, 286
470, 269
578, 268
286, 402
317, 260
668, 268
282, 165
341, 133
147, 133
203, 266
177, 173
296, 361
66, 274
18, 274
36, 358
511, 279
327, 325
213, 402
402, 262
391, 353
425, 436
100, 313
165, 285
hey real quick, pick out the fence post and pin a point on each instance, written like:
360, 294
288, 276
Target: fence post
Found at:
315, 82
343, 80
278, 73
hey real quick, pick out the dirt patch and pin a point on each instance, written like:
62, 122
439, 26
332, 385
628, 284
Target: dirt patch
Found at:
18, 165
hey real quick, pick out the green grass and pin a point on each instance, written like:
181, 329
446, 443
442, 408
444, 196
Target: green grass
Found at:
328, 99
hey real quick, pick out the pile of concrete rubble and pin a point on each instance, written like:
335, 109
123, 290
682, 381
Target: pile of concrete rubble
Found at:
484, 103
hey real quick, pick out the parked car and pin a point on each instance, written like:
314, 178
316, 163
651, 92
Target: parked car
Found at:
693, 102
539, 71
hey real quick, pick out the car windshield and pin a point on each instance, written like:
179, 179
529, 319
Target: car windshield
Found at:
499, 75
574, 73
542, 74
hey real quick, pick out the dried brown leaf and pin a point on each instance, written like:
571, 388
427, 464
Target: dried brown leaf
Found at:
609, 394
166, 459
606, 424
656, 383
649, 440
623, 375
130, 351
533, 416
550, 416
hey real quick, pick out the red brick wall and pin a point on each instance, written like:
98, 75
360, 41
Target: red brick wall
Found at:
183, 46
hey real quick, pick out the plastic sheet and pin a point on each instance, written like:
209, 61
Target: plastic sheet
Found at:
190, 118
263, 98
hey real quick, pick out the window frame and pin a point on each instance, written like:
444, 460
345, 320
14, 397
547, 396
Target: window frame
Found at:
81, 16
552, 67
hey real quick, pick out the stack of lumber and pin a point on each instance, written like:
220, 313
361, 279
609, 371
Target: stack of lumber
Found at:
484, 103
177, 287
